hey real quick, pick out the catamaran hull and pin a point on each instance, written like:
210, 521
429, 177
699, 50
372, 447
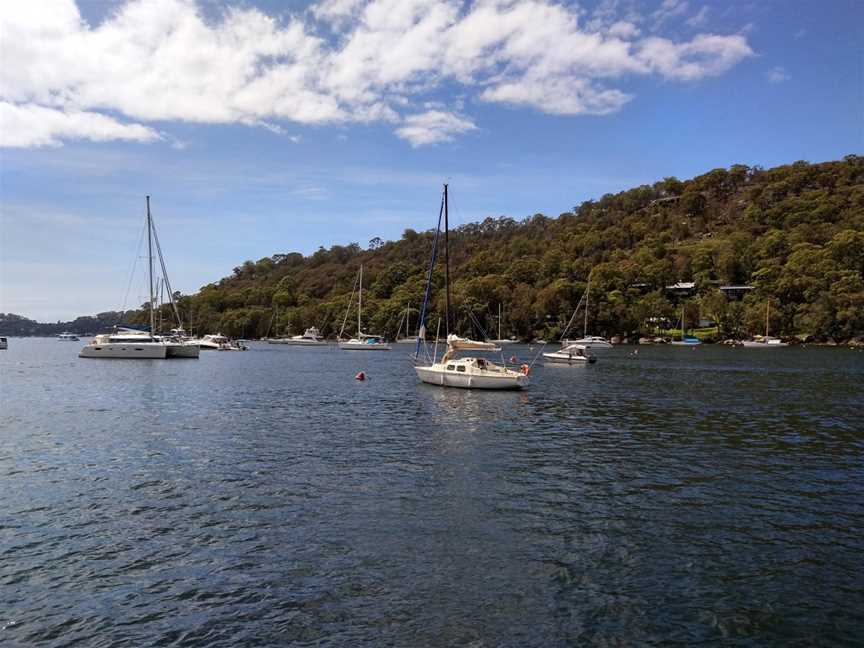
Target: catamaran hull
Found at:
465, 381
146, 351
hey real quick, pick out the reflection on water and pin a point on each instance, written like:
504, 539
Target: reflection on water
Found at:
677, 496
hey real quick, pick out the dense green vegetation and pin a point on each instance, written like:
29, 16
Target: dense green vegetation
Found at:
795, 233
18, 326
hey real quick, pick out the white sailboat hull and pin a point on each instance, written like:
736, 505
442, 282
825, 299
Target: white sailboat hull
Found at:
293, 342
126, 350
753, 344
364, 346
437, 374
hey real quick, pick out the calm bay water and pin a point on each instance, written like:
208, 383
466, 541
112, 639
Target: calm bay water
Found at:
690, 497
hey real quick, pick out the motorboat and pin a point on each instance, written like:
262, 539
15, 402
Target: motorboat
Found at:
235, 345
362, 341
65, 336
211, 342
4, 344
311, 337
471, 372
570, 354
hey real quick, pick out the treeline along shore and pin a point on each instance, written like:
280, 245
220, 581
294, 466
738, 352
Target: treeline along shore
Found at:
724, 248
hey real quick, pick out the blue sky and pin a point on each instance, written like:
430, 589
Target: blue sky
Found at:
267, 127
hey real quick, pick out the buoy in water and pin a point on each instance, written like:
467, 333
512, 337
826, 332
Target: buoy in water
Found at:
360, 376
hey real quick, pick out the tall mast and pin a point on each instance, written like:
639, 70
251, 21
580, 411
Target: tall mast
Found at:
767, 310
446, 264
499, 321
150, 267
587, 293
360, 301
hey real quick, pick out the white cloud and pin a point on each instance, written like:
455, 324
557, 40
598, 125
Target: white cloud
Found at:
29, 125
432, 127
161, 60
777, 74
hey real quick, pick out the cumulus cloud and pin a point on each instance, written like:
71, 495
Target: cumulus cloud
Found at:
342, 61
433, 126
30, 126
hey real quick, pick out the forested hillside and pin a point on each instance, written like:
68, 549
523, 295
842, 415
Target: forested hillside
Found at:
794, 233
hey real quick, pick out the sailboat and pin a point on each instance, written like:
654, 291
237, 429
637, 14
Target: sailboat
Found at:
468, 372
406, 318
363, 341
574, 352
686, 340
128, 342
767, 341
593, 342
500, 339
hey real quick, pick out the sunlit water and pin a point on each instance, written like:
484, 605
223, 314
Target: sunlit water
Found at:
679, 496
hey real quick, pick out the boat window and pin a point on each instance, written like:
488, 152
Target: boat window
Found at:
460, 368
451, 367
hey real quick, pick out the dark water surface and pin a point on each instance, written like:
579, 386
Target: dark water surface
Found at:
679, 497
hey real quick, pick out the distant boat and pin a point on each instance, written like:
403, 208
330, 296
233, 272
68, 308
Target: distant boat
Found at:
133, 343
594, 342
469, 372
310, 337
501, 340
4, 344
571, 354
363, 341
766, 341
65, 336
686, 340
407, 319
211, 342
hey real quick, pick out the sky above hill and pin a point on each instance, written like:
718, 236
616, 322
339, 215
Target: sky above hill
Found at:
262, 127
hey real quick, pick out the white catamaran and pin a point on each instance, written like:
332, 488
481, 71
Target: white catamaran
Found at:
363, 341
127, 342
470, 372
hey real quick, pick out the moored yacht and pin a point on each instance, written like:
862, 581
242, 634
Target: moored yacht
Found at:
211, 342
311, 337
363, 341
4, 344
470, 372
764, 341
593, 342
66, 336
134, 343
125, 343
